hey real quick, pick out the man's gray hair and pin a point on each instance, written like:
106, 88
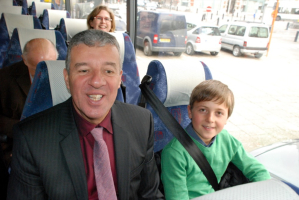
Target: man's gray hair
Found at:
91, 38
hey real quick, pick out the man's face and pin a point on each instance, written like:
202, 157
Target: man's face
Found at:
93, 80
208, 119
146, 20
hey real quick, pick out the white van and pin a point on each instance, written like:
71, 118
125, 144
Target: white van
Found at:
245, 37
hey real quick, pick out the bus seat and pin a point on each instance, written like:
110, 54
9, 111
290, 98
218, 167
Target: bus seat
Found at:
38, 8
173, 85
8, 23
11, 9
70, 27
21, 36
48, 88
51, 18
130, 77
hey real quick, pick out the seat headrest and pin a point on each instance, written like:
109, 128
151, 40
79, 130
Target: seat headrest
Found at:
176, 82
55, 16
41, 6
58, 88
18, 21
74, 26
28, 34
120, 39
6, 3
11, 9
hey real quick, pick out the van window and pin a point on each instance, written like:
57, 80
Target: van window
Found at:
241, 31
222, 28
232, 30
210, 31
171, 23
260, 32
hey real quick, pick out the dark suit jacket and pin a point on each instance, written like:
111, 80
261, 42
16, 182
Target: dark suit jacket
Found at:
14, 87
47, 159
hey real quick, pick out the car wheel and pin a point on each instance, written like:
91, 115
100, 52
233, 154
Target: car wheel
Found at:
189, 49
147, 49
236, 51
214, 53
258, 55
177, 53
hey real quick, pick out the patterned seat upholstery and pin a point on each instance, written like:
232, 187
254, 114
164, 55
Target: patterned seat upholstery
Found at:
173, 86
20, 37
130, 77
8, 23
51, 18
48, 88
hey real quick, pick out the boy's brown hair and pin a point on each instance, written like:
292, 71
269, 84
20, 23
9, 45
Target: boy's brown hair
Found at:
213, 90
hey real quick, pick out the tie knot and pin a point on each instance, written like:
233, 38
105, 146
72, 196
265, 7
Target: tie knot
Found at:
97, 133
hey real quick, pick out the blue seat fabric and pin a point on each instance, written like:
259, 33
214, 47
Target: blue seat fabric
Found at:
159, 86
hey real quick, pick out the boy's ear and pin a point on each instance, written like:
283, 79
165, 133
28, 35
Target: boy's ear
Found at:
189, 111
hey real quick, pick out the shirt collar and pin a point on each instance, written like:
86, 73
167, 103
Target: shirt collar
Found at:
192, 133
85, 126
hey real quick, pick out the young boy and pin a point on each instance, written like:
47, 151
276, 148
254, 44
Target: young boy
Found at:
211, 104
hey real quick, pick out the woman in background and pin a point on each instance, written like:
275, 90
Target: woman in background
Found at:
101, 18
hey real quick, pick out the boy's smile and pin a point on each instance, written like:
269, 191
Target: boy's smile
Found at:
208, 119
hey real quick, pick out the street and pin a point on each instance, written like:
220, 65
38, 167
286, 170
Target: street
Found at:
266, 90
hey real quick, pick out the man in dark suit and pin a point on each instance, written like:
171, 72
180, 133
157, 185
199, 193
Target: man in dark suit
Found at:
53, 150
15, 83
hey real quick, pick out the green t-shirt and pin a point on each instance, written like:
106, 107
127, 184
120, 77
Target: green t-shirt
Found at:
183, 179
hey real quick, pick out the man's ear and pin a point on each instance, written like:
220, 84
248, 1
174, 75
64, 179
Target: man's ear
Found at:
66, 78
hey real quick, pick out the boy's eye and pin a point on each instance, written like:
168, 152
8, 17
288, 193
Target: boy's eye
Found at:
202, 110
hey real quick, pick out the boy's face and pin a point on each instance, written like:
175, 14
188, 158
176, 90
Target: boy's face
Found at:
208, 119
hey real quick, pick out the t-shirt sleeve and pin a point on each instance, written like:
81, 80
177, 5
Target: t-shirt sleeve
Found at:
250, 166
174, 175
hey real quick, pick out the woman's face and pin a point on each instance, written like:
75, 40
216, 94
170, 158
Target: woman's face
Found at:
102, 21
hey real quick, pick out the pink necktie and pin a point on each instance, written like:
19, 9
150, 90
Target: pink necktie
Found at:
102, 169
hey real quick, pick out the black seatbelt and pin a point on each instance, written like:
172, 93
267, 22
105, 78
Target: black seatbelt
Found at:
177, 130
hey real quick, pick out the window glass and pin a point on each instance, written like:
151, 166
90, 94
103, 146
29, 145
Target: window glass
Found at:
232, 30
241, 31
210, 31
222, 28
260, 32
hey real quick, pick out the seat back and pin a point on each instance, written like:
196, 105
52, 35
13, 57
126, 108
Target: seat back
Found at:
70, 27
130, 76
38, 8
8, 23
51, 18
173, 85
21, 36
11, 9
48, 88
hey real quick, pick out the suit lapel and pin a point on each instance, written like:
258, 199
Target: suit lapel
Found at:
122, 153
23, 78
71, 148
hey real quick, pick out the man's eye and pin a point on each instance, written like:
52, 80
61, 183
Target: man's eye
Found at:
83, 70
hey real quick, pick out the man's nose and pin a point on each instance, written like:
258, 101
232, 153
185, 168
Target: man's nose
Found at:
97, 80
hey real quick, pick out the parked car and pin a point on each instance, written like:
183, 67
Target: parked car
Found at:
150, 6
161, 32
203, 38
245, 37
282, 161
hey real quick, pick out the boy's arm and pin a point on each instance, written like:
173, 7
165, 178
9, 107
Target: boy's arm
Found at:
174, 175
250, 166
